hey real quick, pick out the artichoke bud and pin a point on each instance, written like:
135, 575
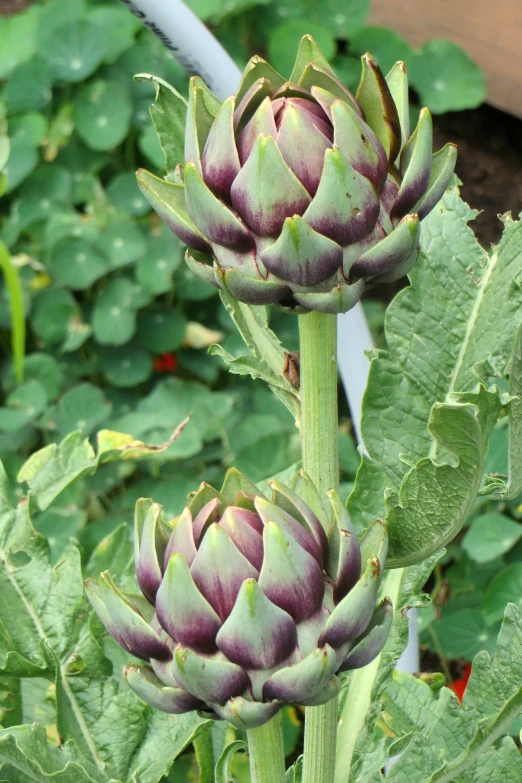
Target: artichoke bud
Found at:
248, 603
296, 192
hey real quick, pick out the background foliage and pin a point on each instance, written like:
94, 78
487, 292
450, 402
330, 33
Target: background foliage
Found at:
117, 327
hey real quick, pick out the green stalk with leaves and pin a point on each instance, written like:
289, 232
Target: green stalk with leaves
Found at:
256, 597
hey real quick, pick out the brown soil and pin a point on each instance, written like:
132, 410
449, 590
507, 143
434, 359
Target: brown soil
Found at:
489, 163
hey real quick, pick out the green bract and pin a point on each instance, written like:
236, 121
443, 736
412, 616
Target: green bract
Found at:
296, 191
249, 605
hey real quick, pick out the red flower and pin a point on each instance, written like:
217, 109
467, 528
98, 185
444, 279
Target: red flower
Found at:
459, 686
165, 363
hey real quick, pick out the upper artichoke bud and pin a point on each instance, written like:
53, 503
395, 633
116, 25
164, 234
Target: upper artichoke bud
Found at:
250, 606
297, 192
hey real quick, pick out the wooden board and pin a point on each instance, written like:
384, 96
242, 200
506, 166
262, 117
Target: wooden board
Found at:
490, 32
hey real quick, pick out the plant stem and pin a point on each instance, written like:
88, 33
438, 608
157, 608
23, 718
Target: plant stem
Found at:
318, 348
359, 694
266, 752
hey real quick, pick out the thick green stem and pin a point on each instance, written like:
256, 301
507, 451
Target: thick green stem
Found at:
359, 695
266, 752
318, 347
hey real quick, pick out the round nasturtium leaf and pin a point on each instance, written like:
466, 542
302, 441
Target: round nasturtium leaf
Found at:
490, 536
74, 50
114, 318
43, 192
124, 193
55, 13
82, 408
26, 403
77, 264
161, 330
386, 47
117, 26
29, 128
41, 367
126, 367
284, 41
29, 87
122, 243
446, 78
163, 256
343, 18
505, 588
18, 34
150, 146
190, 287
23, 158
102, 114
51, 315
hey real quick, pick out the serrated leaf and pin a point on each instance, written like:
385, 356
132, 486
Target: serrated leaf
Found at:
29, 752
434, 344
168, 115
266, 350
451, 739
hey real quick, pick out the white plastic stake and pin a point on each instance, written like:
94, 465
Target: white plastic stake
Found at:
196, 49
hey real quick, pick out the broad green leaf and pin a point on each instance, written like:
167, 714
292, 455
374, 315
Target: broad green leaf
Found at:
464, 633
126, 367
52, 312
23, 157
55, 13
149, 145
74, 50
450, 739
168, 115
434, 344
84, 408
114, 318
161, 330
117, 445
23, 406
385, 46
51, 469
123, 243
29, 86
41, 367
14, 289
117, 26
77, 264
490, 536
163, 256
43, 192
29, 752
268, 355
446, 78
102, 114
124, 193
18, 34
29, 128
190, 287
283, 42
342, 17
505, 587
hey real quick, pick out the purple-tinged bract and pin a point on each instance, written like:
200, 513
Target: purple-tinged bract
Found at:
248, 603
296, 192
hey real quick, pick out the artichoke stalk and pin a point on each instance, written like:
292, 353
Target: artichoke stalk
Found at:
296, 192
248, 605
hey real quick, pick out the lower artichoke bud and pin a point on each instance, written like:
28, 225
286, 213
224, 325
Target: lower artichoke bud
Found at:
249, 605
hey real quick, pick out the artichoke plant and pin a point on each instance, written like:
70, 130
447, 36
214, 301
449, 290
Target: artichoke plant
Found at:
296, 192
248, 605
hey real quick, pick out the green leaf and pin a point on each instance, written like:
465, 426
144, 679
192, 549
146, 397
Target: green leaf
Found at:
124, 193
224, 766
505, 587
102, 114
283, 42
117, 27
490, 536
161, 330
29, 86
29, 128
453, 742
168, 115
29, 752
434, 344
23, 158
18, 35
446, 78
51, 469
53, 310
268, 355
464, 633
126, 367
343, 18
114, 318
385, 46
83, 408
76, 264
23, 405
162, 257
122, 243
74, 50
514, 486
41, 367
